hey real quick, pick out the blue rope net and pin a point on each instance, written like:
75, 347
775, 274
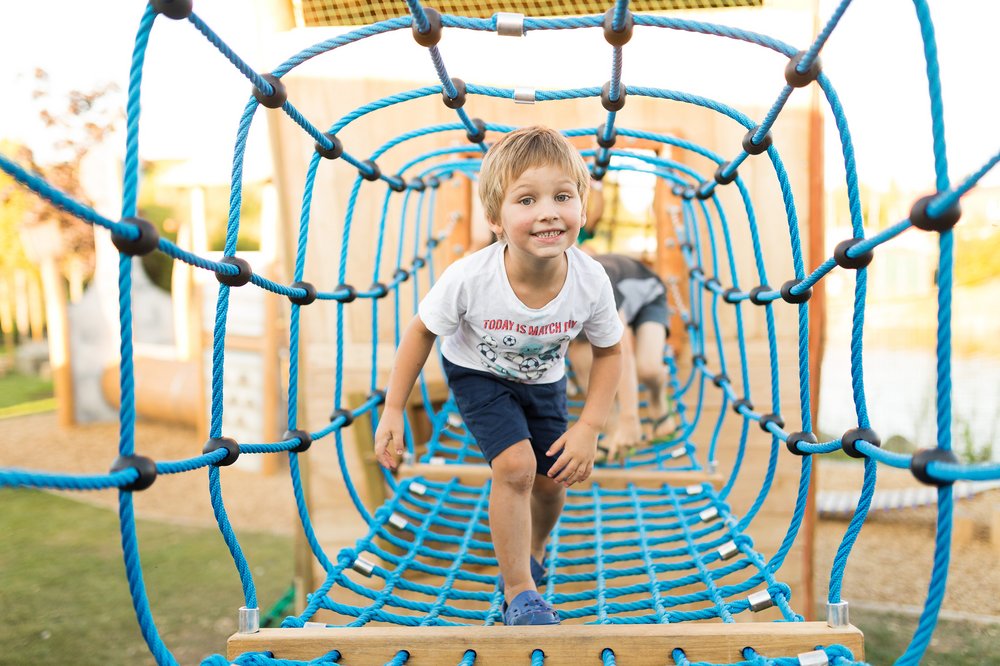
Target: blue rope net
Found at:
630, 555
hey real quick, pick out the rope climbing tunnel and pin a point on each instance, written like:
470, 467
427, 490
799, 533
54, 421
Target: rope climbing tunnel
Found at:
649, 563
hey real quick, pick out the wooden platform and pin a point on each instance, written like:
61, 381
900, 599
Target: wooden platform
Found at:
476, 475
566, 645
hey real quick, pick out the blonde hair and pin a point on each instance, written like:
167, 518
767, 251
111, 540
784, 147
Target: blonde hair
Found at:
525, 149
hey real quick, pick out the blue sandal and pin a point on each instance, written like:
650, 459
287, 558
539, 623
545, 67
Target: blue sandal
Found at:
528, 608
538, 573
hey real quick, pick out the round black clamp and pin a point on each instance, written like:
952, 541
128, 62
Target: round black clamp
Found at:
309, 296
433, 34
240, 278
704, 191
172, 9
691, 326
756, 292
789, 297
677, 190
712, 284
458, 101
606, 143
433, 183
597, 173
687, 246
396, 183
730, 295
752, 148
696, 273
379, 396
768, 419
920, 459
145, 466
370, 171
846, 261
849, 440
742, 403
305, 440
231, 446
334, 151
607, 102
720, 379
944, 221
346, 413
417, 184
722, 179
418, 263
146, 242
480, 134
401, 275
698, 358
432, 243
379, 289
351, 295
278, 94
797, 79
603, 159
618, 37
796, 438
688, 193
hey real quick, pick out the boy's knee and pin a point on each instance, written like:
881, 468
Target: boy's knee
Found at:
515, 468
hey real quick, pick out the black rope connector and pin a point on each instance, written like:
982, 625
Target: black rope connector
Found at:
418, 263
433, 34
704, 191
305, 440
691, 326
480, 134
240, 278
789, 297
722, 179
370, 171
688, 193
278, 94
346, 413
768, 419
396, 183
378, 289
796, 438
603, 159
687, 246
148, 240
231, 446
401, 275
433, 183
145, 466
334, 151
417, 184
752, 148
597, 173
756, 292
458, 101
713, 284
618, 37
698, 357
677, 190
921, 219
432, 243
607, 102
379, 396
797, 79
920, 460
606, 143
742, 403
173, 9
846, 261
849, 441
696, 273
731, 295
720, 379
309, 296
351, 295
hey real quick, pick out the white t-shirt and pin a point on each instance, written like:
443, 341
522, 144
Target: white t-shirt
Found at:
485, 326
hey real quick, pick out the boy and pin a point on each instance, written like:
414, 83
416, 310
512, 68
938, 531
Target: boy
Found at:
507, 314
640, 297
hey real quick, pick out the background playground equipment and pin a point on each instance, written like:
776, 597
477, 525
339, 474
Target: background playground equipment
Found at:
424, 514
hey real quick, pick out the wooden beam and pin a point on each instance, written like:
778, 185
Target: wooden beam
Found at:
565, 645
607, 477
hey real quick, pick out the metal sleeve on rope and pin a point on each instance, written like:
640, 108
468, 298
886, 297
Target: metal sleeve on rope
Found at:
510, 24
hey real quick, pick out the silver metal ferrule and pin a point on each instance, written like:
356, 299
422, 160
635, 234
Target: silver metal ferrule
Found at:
760, 600
693, 489
398, 521
249, 620
814, 658
837, 614
436, 460
678, 452
524, 95
711, 466
709, 514
314, 625
510, 24
363, 567
407, 458
454, 420
418, 488
728, 551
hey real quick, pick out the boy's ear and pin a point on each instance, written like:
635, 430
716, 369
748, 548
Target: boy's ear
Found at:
496, 228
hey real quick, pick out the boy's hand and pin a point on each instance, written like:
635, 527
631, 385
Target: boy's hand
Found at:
576, 462
389, 438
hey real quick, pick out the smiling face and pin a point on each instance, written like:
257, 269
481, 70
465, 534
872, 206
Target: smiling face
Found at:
541, 214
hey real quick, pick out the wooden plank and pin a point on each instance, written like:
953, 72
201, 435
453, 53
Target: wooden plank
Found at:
607, 478
565, 645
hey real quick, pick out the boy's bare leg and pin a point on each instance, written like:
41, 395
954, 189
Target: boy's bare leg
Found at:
652, 371
510, 515
547, 499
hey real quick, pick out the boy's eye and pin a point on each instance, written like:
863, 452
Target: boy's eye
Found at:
525, 201
563, 198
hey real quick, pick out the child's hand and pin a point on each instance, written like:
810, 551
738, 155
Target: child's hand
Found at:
389, 438
576, 462
627, 436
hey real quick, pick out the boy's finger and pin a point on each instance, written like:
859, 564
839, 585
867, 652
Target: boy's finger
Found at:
566, 474
556, 446
557, 466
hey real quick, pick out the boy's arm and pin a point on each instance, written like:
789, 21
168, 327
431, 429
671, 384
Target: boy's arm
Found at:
410, 358
629, 430
579, 443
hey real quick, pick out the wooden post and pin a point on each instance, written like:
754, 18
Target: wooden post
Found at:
58, 337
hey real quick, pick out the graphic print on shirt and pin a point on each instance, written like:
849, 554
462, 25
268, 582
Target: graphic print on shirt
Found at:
532, 360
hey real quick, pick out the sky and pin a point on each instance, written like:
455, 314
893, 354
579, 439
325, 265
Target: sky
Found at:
193, 97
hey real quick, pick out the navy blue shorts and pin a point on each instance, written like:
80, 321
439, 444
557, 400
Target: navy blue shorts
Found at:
500, 413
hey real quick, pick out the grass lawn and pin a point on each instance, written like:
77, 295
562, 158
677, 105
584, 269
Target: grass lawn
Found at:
64, 597
20, 392
953, 644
